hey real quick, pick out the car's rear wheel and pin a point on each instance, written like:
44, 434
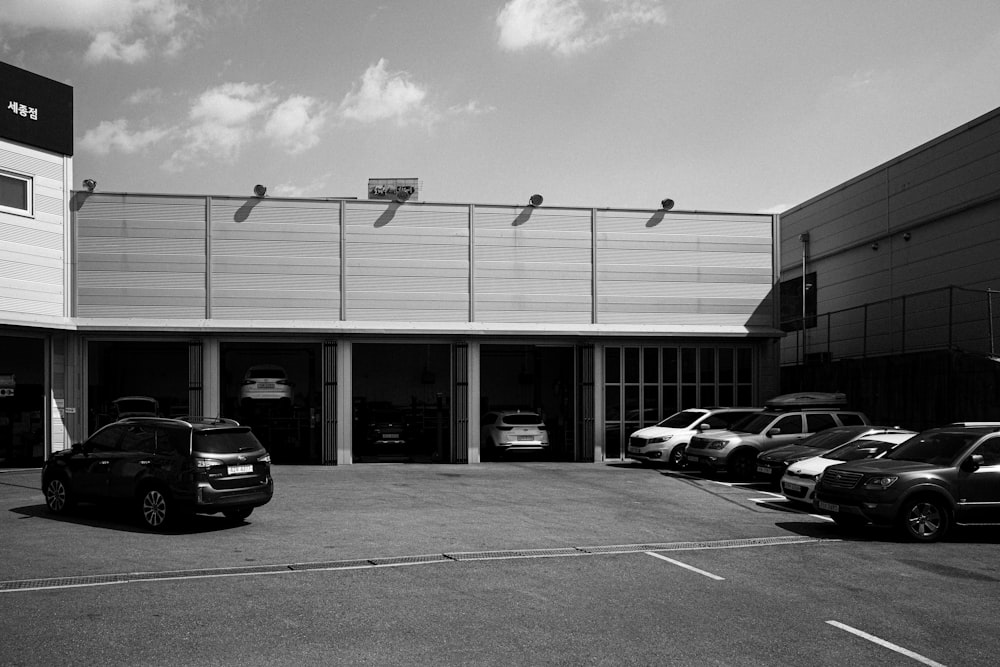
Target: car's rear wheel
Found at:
741, 465
155, 508
676, 457
925, 519
237, 514
58, 497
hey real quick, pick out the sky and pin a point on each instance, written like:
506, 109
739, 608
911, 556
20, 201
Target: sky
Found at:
721, 105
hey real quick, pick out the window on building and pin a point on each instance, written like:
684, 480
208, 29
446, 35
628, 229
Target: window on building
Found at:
15, 193
792, 312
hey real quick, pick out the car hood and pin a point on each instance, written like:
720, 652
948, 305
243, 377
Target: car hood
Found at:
658, 431
887, 466
812, 466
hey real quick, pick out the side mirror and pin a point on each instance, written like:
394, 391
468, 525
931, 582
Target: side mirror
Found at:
78, 448
704, 427
773, 432
973, 463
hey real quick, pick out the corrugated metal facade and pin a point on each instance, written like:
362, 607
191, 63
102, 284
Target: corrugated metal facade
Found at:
228, 259
879, 243
32, 248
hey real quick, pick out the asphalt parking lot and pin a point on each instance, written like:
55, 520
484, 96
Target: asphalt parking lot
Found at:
509, 563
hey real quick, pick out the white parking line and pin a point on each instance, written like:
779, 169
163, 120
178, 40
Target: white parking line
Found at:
888, 645
685, 566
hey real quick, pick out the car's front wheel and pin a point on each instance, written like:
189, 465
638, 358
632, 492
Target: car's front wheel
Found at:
58, 497
742, 464
676, 457
155, 508
925, 519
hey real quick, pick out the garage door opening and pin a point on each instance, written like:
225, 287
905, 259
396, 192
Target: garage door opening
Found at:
526, 380
276, 389
401, 402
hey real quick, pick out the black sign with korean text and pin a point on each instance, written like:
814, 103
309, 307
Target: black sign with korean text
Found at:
35, 110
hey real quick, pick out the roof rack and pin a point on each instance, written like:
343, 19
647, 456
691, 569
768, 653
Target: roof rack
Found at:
211, 421
805, 400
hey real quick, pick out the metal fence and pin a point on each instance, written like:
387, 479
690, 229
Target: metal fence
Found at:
952, 318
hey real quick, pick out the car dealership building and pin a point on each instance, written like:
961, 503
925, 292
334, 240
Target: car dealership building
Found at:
603, 320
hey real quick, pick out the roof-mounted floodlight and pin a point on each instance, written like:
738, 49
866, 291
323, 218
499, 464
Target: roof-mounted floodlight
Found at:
259, 190
535, 200
90, 184
666, 204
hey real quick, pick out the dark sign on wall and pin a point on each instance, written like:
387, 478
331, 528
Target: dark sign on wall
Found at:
399, 189
35, 111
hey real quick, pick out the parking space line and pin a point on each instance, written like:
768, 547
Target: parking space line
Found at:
686, 566
881, 642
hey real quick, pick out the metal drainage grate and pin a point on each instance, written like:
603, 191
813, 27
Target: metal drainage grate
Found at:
518, 553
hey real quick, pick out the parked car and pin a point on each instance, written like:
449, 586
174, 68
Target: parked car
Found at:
799, 480
505, 431
386, 430
164, 468
936, 478
667, 441
771, 465
266, 382
787, 419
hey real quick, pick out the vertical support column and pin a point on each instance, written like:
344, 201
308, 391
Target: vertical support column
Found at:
208, 258
208, 397
593, 267
343, 427
474, 401
590, 412
460, 403
329, 405
195, 382
472, 263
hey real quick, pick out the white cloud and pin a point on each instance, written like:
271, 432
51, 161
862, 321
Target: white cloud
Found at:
569, 27
145, 96
127, 31
114, 135
297, 123
222, 122
317, 188
471, 108
382, 95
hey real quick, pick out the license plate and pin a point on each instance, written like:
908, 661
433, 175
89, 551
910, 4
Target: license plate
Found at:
794, 487
764, 469
829, 507
265, 385
692, 459
634, 450
239, 470
390, 436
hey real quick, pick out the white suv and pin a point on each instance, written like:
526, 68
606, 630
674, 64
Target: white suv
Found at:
666, 441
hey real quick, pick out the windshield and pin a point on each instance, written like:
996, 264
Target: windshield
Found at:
522, 419
935, 448
226, 441
860, 449
682, 419
752, 423
830, 438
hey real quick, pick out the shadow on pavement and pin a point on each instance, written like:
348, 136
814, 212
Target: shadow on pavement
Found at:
122, 520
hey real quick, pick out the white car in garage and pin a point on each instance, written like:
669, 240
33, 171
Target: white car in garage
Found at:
506, 431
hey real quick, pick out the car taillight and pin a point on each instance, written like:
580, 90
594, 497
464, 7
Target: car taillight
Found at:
282, 382
207, 463
540, 427
504, 428
264, 459
246, 382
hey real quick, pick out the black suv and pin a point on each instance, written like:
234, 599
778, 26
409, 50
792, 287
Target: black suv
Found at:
166, 467
939, 477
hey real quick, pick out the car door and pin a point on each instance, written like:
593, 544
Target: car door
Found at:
90, 467
791, 431
137, 450
979, 490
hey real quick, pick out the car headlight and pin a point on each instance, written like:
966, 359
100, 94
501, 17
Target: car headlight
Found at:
881, 482
717, 444
659, 440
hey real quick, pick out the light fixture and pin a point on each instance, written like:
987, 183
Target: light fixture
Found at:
875, 245
259, 190
906, 236
666, 204
90, 184
535, 200
402, 194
